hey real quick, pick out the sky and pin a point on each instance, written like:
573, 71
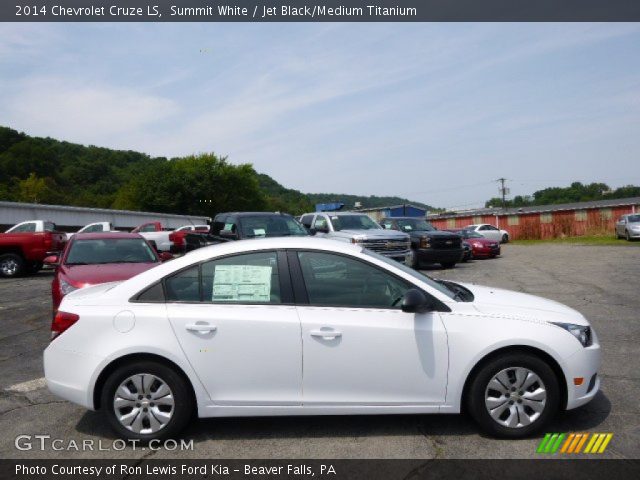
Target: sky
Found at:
432, 112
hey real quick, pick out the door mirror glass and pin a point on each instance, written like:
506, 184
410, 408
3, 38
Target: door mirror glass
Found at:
415, 301
164, 256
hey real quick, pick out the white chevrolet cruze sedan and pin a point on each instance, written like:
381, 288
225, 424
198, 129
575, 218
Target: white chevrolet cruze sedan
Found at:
305, 326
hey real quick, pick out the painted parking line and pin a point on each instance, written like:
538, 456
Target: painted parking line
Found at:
28, 386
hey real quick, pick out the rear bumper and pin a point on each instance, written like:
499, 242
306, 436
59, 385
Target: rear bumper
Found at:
436, 255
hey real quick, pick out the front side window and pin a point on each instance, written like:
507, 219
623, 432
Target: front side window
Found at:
336, 280
320, 223
110, 250
306, 220
353, 222
148, 228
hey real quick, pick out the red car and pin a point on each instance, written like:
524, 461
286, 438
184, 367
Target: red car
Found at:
481, 247
92, 258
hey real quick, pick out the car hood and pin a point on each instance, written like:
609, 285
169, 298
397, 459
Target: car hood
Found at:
373, 234
517, 305
434, 233
483, 241
110, 272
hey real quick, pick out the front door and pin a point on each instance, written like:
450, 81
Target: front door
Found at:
236, 324
359, 347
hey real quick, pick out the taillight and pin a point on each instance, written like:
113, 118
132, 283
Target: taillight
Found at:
61, 322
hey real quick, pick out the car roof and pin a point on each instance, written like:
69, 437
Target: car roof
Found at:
404, 218
105, 235
340, 214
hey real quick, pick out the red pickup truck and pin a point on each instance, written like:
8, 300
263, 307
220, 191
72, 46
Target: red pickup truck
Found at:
24, 246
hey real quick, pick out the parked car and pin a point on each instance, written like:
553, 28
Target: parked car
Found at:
24, 246
490, 232
628, 226
178, 237
303, 326
156, 234
481, 247
354, 227
93, 258
244, 225
428, 244
93, 228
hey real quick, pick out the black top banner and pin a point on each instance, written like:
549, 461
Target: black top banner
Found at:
320, 11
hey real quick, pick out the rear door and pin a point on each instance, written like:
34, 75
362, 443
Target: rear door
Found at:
236, 323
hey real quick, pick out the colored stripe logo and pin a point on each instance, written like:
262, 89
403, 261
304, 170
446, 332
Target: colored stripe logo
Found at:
574, 443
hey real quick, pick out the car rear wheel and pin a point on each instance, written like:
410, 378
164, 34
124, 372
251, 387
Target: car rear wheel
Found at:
448, 264
11, 265
505, 238
147, 401
627, 236
513, 396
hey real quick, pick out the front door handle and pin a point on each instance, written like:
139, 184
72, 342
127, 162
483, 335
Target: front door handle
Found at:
328, 334
201, 327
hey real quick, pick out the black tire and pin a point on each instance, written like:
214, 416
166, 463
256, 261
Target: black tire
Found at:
505, 238
475, 399
183, 400
11, 265
33, 267
448, 264
627, 237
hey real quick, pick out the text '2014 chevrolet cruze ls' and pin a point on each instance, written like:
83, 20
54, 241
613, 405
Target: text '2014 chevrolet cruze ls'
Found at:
305, 326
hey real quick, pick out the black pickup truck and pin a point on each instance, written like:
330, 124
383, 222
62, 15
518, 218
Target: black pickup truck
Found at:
428, 244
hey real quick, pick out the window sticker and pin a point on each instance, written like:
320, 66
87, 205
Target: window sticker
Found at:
241, 283
259, 231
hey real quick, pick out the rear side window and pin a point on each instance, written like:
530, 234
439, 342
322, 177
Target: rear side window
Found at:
27, 227
184, 286
248, 278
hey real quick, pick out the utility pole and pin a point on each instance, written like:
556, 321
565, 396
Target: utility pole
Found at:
503, 192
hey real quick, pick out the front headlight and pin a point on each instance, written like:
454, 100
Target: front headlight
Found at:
582, 333
357, 239
66, 288
477, 244
424, 242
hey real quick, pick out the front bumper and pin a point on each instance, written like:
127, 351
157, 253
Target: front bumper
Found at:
486, 251
583, 364
439, 255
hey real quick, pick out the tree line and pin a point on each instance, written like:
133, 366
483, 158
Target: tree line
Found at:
576, 192
49, 171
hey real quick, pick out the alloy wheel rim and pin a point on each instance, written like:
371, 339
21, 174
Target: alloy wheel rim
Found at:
9, 267
515, 397
143, 403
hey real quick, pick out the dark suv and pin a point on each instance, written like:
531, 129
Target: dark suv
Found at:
428, 244
242, 225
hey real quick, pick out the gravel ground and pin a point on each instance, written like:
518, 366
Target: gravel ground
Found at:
601, 282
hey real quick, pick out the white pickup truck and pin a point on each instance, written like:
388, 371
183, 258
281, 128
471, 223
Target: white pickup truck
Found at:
93, 228
156, 235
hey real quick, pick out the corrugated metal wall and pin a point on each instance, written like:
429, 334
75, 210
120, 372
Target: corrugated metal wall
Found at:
526, 226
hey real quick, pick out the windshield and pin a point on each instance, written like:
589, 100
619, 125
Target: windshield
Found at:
411, 224
414, 273
633, 218
471, 234
271, 226
110, 250
353, 222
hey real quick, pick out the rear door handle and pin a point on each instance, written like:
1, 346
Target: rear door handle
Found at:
201, 327
329, 334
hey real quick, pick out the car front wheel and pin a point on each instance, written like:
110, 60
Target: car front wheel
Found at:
11, 265
513, 396
146, 401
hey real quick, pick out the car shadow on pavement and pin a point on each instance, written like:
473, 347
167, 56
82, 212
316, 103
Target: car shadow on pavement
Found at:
251, 428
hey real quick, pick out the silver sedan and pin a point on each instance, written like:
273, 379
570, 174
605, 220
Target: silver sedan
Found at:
628, 226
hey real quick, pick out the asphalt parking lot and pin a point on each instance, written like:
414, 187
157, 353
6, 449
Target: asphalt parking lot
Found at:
602, 282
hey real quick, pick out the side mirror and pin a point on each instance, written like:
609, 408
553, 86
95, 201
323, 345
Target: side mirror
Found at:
312, 231
228, 234
164, 256
51, 260
415, 301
